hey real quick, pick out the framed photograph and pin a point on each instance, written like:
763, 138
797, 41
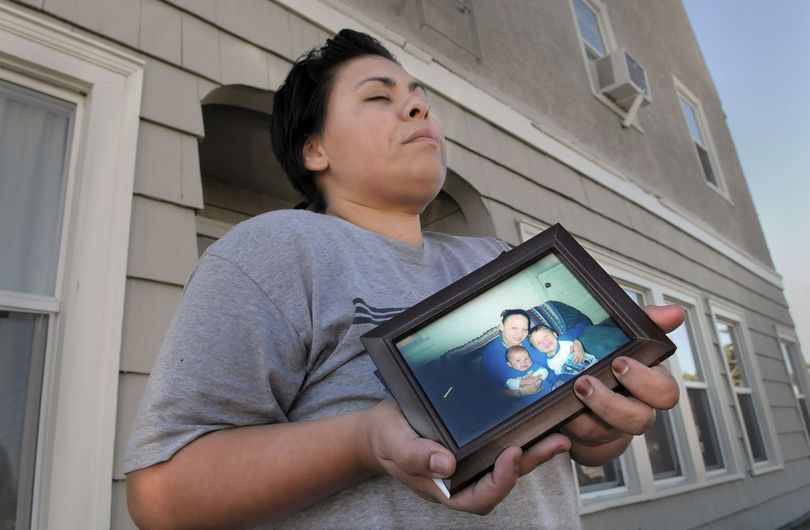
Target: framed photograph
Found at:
490, 361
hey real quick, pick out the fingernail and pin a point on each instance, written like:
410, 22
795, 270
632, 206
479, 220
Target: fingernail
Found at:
439, 463
621, 366
584, 388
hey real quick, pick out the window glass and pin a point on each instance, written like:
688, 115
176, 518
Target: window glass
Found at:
752, 427
600, 477
22, 339
691, 119
589, 26
704, 424
682, 337
35, 134
805, 414
786, 355
636, 296
661, 448
706, 163
728, 346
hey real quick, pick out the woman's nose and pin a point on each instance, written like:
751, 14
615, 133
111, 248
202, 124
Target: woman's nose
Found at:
417, 108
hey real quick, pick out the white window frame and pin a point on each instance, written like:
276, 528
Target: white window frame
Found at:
723, 311
609, 40
786, 335
75, 445
682, 91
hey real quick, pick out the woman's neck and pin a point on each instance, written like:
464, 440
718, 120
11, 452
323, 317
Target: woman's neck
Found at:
404, 227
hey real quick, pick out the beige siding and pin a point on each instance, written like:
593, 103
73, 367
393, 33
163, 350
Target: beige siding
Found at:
130, 391
161, 30
148, 311
163, 242
200, 47
168, 166
170, 97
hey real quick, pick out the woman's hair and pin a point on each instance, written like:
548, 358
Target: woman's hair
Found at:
300, 104
506, 313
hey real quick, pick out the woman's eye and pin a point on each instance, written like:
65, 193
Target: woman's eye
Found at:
379, 98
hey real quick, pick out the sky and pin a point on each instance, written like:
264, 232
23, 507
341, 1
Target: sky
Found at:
758, 53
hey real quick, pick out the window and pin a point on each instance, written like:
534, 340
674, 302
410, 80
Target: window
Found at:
698, 132
694, 380
597, 40
61, 314
35, 139
662, 448
735, 352
590, 29
790, 354
690, 446
599, 478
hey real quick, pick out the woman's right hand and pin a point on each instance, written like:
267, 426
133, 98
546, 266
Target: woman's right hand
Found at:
396, 449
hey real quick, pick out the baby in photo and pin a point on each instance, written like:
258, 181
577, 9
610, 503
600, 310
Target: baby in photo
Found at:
518, 359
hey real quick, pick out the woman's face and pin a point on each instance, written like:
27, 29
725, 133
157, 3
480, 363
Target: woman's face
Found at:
380, 146
514, 329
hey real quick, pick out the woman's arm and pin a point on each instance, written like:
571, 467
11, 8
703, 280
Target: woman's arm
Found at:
243, 476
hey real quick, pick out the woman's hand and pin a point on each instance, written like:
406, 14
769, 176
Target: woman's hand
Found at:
604, 431
396, 449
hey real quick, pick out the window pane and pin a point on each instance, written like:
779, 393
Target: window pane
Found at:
661, 448
805, 414
786, 355
728, 346
706, 164
691, 120
22, 339
600, 477
682, 337
34, 139
704, 423
752, 427
589, 26
636, 296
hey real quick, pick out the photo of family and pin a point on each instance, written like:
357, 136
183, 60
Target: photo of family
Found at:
487, 360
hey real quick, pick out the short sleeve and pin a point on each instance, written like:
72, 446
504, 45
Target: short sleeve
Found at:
231, 358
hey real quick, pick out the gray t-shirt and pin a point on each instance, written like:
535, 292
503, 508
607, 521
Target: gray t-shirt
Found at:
268, 332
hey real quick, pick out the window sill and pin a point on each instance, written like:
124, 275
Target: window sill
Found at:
721, 191
593, 503
765, 468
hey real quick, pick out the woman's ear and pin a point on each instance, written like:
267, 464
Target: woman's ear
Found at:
315, 158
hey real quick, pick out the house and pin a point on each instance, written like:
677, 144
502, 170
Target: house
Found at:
141, 127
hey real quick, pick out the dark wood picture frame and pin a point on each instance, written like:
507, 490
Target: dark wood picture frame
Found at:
647, 344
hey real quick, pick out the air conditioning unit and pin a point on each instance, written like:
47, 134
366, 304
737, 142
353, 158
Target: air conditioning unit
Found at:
621, 78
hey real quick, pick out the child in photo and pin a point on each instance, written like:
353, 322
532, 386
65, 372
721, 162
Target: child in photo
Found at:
522, 365
565, 353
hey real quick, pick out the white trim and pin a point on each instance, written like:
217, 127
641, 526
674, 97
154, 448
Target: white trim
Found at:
528, 230
73, 483
484, 105
27, 303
